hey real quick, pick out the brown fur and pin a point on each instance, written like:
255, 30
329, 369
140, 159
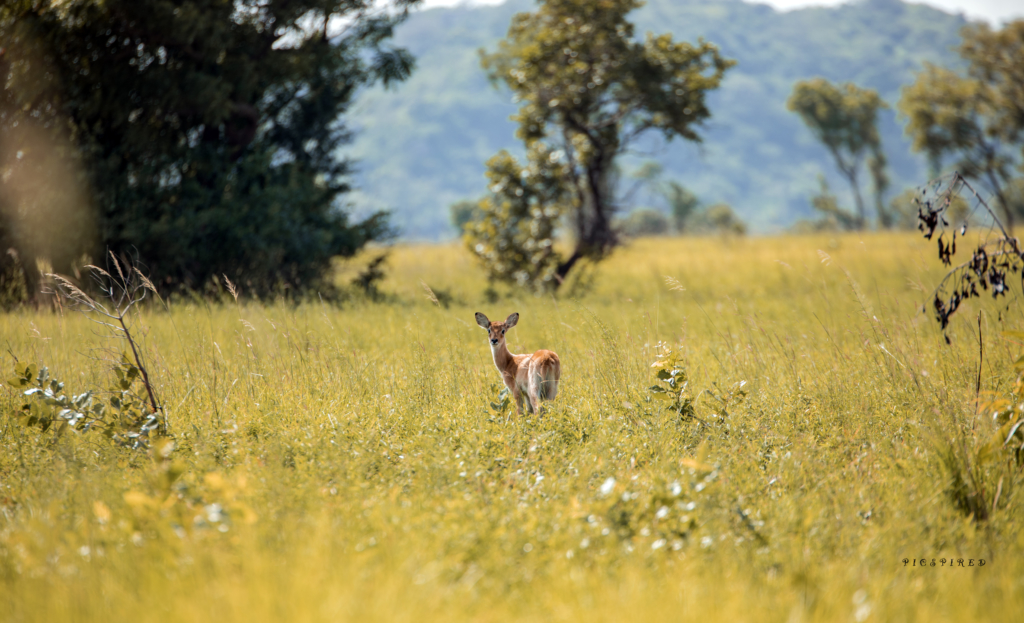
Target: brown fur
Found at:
535, 376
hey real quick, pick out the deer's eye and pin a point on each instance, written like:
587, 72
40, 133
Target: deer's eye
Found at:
503, 331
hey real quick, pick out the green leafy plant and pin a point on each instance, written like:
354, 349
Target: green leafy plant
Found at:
672, 387
728, 397
368, 280
462, 213
134, 414
664, 515
119, 412
173, 501
660, 515
1008, 415
503, 406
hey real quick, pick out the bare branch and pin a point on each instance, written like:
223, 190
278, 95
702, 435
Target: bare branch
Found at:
125, 291
991, 262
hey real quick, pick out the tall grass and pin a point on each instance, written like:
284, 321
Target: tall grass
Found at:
345, 463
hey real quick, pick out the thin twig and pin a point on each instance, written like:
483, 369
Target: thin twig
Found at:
142, 368
124, 291
977, 389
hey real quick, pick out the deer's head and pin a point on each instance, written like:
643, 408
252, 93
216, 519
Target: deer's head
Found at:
496, 330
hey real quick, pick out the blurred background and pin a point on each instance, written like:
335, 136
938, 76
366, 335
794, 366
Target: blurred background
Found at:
260, 141
426, 147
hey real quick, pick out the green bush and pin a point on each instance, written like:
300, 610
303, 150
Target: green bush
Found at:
202, 139
718, 218
645, 222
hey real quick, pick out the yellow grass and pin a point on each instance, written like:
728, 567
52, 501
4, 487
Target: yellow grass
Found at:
344, 463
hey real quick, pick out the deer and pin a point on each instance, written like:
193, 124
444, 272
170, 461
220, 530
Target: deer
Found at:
534, 375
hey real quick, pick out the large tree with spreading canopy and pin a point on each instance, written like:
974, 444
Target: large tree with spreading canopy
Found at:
199, 136
588, 89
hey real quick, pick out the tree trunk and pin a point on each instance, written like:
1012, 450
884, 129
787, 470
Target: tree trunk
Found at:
563, 269
598, 238
33, 278
1004, 205
885, 217
595, 236
880, 182
862, 217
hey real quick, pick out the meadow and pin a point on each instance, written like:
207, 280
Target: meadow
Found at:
345, 462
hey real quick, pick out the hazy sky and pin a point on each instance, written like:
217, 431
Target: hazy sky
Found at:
993, 11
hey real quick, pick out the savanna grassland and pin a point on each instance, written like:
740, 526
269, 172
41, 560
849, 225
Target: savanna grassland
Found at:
345, 462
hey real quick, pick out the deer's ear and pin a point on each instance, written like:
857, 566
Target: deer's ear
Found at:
511, 321
483, 321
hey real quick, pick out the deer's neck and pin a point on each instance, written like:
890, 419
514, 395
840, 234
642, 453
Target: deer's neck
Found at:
502, 356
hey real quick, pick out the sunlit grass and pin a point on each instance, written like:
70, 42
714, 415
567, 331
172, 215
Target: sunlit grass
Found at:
345, 463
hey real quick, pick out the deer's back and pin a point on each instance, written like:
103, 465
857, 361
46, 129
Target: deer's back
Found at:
546, 361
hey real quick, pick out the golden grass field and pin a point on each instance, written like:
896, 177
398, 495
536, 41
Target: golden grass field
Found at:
336, 463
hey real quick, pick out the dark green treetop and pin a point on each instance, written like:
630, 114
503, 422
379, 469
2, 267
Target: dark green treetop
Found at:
206, 131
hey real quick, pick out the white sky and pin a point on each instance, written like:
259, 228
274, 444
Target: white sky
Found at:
992, 11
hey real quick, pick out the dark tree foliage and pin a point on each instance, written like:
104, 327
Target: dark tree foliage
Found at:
202, 135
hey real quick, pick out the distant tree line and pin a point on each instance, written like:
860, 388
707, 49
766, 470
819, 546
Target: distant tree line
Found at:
681, 211
974, 120
587, 89
201, 136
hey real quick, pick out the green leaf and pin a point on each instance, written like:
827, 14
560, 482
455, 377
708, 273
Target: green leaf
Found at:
663, 396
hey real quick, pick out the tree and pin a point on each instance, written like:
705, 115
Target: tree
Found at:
204, 132
462, 213
716, 219
978, 119
682, 203
844, 119
833, 217
514, 231
645, 222
588, 90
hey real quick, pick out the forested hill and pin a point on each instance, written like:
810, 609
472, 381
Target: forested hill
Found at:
423, 145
